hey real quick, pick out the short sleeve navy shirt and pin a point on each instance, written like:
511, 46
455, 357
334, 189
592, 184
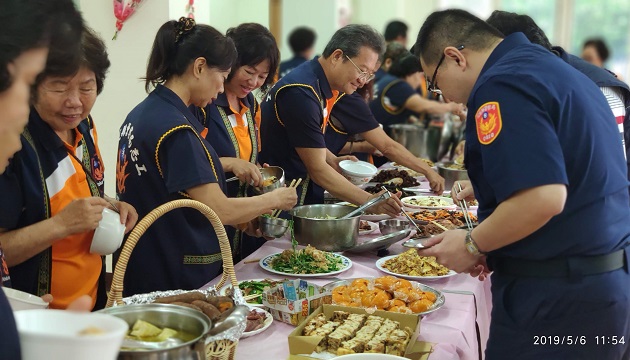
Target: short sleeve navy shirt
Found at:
161, 154
293, 117
350, 116
388, 105
534, 121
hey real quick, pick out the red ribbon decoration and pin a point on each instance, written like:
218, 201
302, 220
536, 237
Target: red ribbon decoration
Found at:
123, 9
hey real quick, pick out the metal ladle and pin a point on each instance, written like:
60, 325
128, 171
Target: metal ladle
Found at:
384, 196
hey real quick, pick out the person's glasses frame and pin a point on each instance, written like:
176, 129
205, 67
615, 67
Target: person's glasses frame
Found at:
365, 76
432, 84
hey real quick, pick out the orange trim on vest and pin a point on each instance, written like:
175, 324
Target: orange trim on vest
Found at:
241, 132
329, 106
75, 271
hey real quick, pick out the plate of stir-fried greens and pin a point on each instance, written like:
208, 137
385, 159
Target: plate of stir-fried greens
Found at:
306, 262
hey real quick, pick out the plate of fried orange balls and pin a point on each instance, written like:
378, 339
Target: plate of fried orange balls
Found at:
388, 293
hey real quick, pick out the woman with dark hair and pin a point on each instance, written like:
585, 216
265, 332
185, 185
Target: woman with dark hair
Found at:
27, 31
233, 119
47, 242
398, 101
163, 155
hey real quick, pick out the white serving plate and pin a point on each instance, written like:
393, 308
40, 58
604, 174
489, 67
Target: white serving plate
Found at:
265, 263
379, 265
266, 324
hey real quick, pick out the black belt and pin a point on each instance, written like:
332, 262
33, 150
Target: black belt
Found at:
562, 267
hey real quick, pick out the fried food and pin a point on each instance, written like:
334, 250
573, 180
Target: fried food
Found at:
384, 293
412, 264
268, 181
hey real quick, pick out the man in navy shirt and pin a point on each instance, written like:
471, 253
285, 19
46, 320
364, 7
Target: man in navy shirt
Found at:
296, 111
552, 191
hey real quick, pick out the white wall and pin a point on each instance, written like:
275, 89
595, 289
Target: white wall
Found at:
128, 55
225, 14
320, 15
378, 13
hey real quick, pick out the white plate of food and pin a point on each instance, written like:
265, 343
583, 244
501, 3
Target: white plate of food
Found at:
252, 287
367, 227
305, 265
428, 202
258, 320
409, 265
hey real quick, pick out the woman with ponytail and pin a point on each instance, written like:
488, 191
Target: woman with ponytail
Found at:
163, 155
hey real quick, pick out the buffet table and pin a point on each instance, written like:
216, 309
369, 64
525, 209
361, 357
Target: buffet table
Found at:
459, 330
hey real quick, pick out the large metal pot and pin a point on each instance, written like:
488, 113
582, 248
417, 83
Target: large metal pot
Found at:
450, 175
412, 137
171, 316
310, 226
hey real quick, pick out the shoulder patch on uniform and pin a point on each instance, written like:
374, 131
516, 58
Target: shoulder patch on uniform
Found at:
489, 123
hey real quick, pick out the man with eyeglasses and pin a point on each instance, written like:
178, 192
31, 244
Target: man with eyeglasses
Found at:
296, 111
552, 191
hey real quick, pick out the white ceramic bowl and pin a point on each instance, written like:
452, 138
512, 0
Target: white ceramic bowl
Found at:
357, 172
108, 235
21, 300
56, 335
366, 356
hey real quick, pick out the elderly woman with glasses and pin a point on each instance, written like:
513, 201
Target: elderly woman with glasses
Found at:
398, 100
53, 190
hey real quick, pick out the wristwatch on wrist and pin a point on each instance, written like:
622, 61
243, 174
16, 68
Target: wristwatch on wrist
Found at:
471, 245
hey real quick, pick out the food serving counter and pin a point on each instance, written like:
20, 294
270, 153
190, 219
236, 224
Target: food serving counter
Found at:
458, 330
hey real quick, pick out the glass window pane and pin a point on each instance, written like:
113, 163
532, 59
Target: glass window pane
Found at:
609, 20
542, 11
480, 8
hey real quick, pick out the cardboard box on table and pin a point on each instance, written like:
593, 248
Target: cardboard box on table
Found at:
299, 344
294, 300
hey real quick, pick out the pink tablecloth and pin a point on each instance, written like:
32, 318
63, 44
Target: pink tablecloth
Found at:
459, 329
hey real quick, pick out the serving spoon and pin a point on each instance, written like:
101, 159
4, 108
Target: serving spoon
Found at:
384, 196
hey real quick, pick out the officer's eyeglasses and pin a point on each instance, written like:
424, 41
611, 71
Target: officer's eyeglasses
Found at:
363, 75
432, 84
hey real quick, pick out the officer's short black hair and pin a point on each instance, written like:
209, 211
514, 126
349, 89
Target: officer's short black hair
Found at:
395, 29
405, 66
509, 23
453, 28
600, 46
301, 39
351, 38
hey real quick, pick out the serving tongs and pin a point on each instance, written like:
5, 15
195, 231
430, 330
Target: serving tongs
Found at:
464, 206
384, 196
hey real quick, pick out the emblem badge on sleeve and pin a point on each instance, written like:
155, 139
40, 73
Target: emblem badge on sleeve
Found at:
489, 123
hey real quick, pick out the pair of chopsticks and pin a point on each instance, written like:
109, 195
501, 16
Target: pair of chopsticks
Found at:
419, 231
294, 184
464, 206
251, 297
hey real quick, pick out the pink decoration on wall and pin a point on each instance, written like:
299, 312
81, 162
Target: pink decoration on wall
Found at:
190, 8
123, 9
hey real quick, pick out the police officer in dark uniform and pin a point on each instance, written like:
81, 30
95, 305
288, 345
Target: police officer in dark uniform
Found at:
552, 191
617, 92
